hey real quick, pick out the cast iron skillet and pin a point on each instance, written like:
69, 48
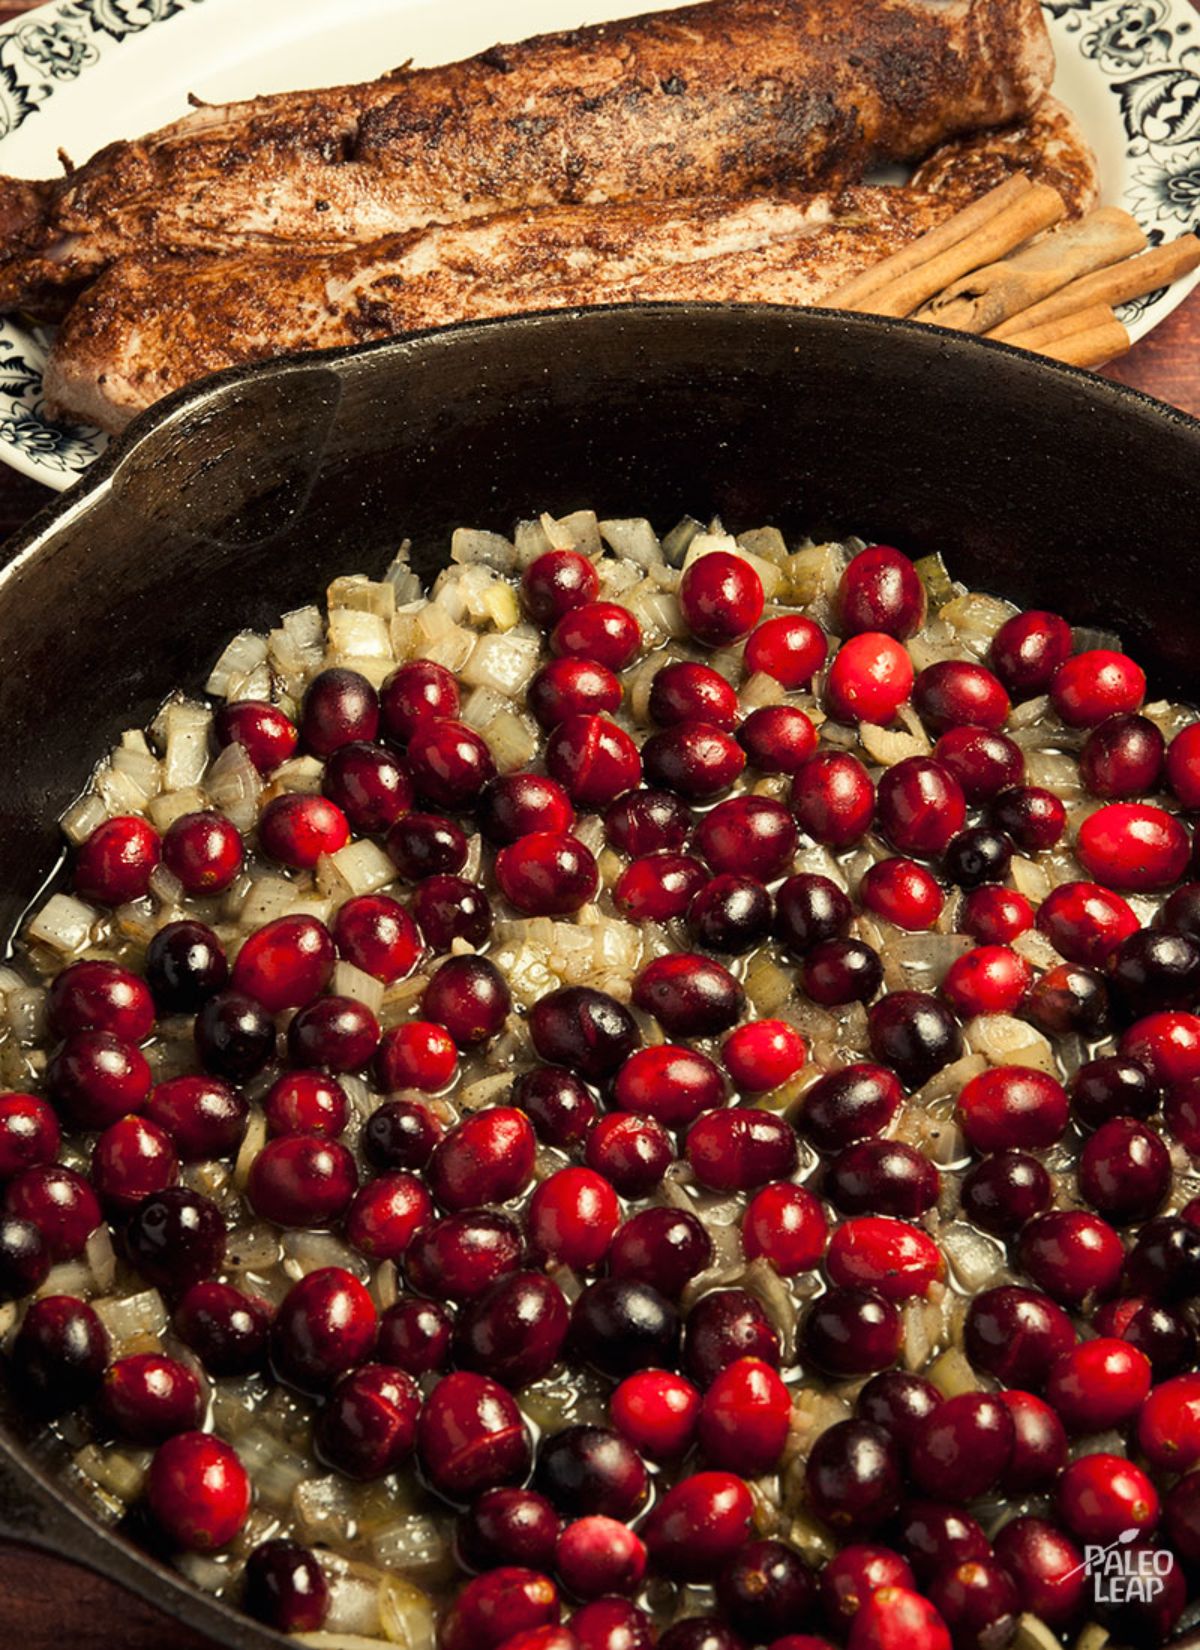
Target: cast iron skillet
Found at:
241, 498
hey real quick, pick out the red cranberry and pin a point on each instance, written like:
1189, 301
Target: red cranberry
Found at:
285, 963
870, 678
896, 1619
920, 806
603, 631
203, 1116
897, 1402
1166, 1046
851, 1576
1181, 1507
1132, 846
721, 597
698, 1524
978, 1601
450, 908
470, 998
306, 1102
833, 799
559, 1106
686, 692
368, 1425
657, 1412
1111, 1087
519, 804
902, 892
557, 582
664, 1247
515, 1331
459, 1257
852, 1331
548, 873
632, 1153
730, 914
414, 1335
325, 1325
778, 739
851, 1104
185, 966
1168, 1425
761, 1056
1047, 1567
131, 1159
572, 1217
647, 822
1098, 1384
658, 887
471, 1436
228, 1331
505, 1607
881, 590
1100, 1496
620, 1324
786, 1224
297, 830
24, 1258
96, 1078
589, 1469
1039, 1447
285, 1587
115, 862
368, 784
147, 1397
1124, 1170
29, 1133
810, 910
853, 1477
1013, 1108
740, 1147
416, 1055
960, 1450
385, 1216
59, 1354
790, 648
418, 691
176, 1237
507, 1526
995, 916
1070, 1254
593, 759
302, 1180
977, 856
1016, 1334
991, 979
1029, 816
1093, 686
338, 1033
1028, 649
340, 708
1122, 757
955, 692
914, 1034
689, 995
694, 759
751, 835
1164, 1261
599, 1555
426, 845
450, 763
204, 851
400, 1134
744, 1418
567, 688
892, 1257
766, 1588
59, 1202
1003, 1192
841, 971
984, 762
884, 1176
100, 996
1183, 766
723, 1326
198, 1490
267, 736
486, 1158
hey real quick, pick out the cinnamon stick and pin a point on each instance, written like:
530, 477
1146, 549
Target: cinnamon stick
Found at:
1091, 348
1114, 285
1063, 326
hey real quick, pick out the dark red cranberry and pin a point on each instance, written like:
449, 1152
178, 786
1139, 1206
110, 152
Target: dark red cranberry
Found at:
267, 736
767, 1589
790, 648
564, 688
29, 1133
620, 1324
589, 1032
115, 863
978, 1601
689, 995
1048, 1568
697, 1525
975, 856
459, 1257
658, 887
1181, 913
519, 804
368, 1425
854, 1103
338, 1033
591, 1470
228, 1331
176, 1237
486, 1158
417, 1054
955, 693
147, 1397
882, 1176
198, 1491
695, 759
59, 1202
778, 739
557, 582
853, 1477
687, 692
962, 1448
984, 762
722, 598
285, 963
509, 1526
598, 1555
548, 873
647, 822
901, 891
426, 845
751, 835
515, 1331
852, 1332
297, 830
204, 851
990, 979
664, 1247
59, 1354
870, 678
100, 996
1098, 1384
1016, 1334
1122, 757
450, 763
603, 631
849, 1579
833, 799
1181, 1507
414, 1335
995, 916
1124, 1170
1100, 1496
1133, 847
786, 1224
1013, 1108
764, 1054
1092, 686
449, 908
881, 590
1029, 816
1161, 1332
285, 1587
571, 1218
1004, 1191
96, 1078
935, 1534
730, 914
131, 1159
235, 1035
1164, 1260
740, 1147
418, 691
185, 966
897, 1402
1111, 1087
24, 1258
1069, 999
632, 1153
1152, 970
369, 784
340, 708
593, 759
1039, 1444
400, 1134
809, 910
1070, 1254
920, 806
385, 1216
1183, 766
560, 1107
914, 1034
841, 971
204, 1117
1028, 649
325, 1325
471, 1436
657, 1411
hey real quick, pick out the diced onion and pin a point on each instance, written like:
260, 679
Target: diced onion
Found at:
64, 923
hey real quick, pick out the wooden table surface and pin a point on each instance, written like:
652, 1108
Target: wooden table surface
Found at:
47, 1604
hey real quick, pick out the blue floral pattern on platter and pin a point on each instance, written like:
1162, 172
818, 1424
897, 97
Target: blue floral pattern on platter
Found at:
1142, 54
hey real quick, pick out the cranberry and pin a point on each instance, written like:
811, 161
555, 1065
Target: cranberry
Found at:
426, 845
841, 971
881, 590
902, 892
884, 1176
977, 856
1181, 1507
204, 851
961, 1449
599, 1555
508, 1526
1164, 1261
400, 1135
853, 1477
991, 979
1183, 766
59, 1202
558, 1105
765, 1589
1039, 1447
778, 739
572, 1217
519, 804
203, 1116
185, 966
416, 1055
369, 784
285, 963
459, 1257
450, 908
739, 1148
418, 691
848, 1105
1098, 1384
306, 1102
414, 1335
198, 1490
1013, 1108
338, 1033
131, 1159
752, 835
694, 759
621, 1324
809, 911
326, 1324
340, 708
1130, 845
723, 1326
657, 1412
984, 762
658, 887
601, 631
892, 1257
1028, 649
1093, 686
897, 1402
96, 1078
647, 822
1100, 1496
1181, 913
566, 688
686, 692
450, 763
176, 1237
850, 1577
100, 996
833, 799
24, 1258
1155, 970
470, 998
547, 873
1069, 999
850, 1331
1016, 1334
699, 1523
147, 1397
689, 995
896, 1619
995, 916
914, 1034
228, 1331
786, 1224
115, 863
1182, 1114
664, 1247
790, 648
1047, 1567
955, 692
506, 1607
612, 1624
486, 1158
1168, 1425
587, 1469
1029, 816
1162, 1333
978, 1601
700, 1633
730, 914
267, 736
632, 1153
744, 1418
385, 1215
593, 759
870, 678
1003, 1192
368, 1425
721, 597
297, 830
29, 1133
1122, 757
920, 806
285, 1587
1070, 1254
1124, 1170
515, 1330
59, 1354
761, 1056
1165, 1045
557, 582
